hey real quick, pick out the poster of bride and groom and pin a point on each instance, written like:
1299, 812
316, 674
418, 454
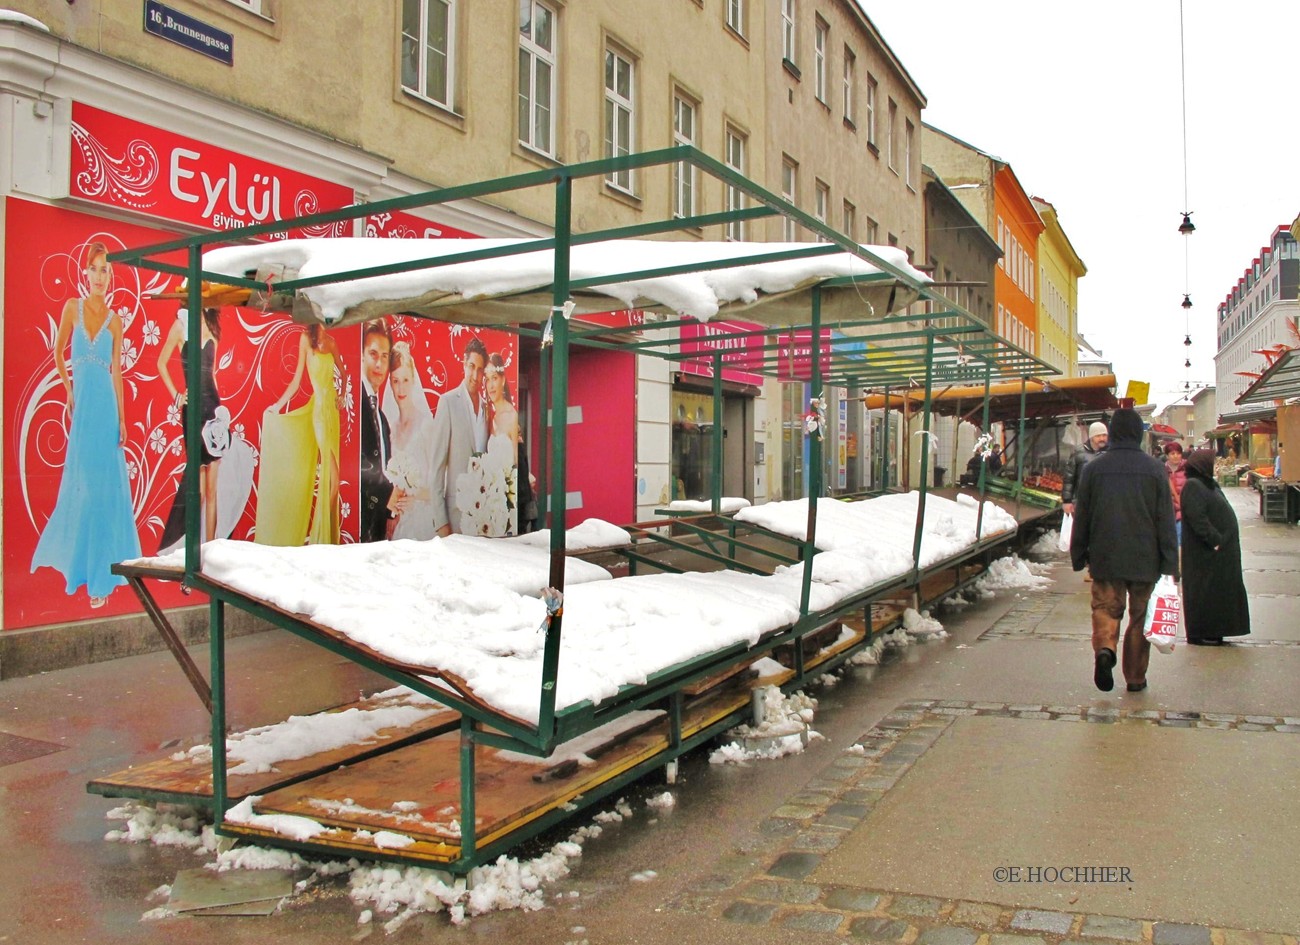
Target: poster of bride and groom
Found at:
401, 428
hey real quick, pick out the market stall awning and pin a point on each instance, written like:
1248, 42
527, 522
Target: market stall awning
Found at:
1281, 381
1064, 396
344, 281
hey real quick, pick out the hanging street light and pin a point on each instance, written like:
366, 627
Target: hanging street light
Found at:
1187, 363
1187, 227
1187, 300
1187, 340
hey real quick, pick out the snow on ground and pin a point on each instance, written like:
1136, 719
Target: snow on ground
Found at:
472, 606
1013, 573
1048, 545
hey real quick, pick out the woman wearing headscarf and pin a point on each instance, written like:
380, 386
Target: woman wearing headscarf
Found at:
1214, 593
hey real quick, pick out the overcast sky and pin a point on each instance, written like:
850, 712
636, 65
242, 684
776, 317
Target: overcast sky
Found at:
1086, 104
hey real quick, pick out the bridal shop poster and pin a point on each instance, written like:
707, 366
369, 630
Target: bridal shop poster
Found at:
260, 370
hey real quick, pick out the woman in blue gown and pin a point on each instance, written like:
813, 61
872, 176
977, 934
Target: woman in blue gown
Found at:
93, 525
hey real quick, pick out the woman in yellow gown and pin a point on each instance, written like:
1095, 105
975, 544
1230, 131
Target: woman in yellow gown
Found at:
301, 446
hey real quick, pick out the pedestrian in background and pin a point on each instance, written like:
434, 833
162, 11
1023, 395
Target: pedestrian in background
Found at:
1095, 445
1124, 533
1177, 476
1214, 593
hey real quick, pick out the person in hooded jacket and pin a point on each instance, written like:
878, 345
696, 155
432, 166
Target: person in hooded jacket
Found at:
1214, 593
1124, 533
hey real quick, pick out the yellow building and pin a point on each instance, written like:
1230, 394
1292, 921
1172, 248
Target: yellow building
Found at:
1059, 271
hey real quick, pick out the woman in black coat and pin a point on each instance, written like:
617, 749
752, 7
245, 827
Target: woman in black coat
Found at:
1214, 593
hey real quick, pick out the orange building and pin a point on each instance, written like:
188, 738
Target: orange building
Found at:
988, 188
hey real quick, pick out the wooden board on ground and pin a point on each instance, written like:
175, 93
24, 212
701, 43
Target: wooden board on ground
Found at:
182, 777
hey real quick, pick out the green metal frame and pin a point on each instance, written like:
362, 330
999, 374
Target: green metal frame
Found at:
889, 350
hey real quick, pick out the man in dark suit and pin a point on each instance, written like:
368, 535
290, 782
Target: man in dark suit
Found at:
376, 445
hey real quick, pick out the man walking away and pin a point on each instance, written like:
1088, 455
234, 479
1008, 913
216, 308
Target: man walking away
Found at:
1124, 533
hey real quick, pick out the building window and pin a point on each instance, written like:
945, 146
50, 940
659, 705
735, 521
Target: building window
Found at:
850, 80
735, 159
822, 205
253, 6
821, 39
618, 116
909, 139
873, 232
537, 65
787, 31
736, 16
892, 131
790, 191
849, 226
872, 88
428, 45
683, 173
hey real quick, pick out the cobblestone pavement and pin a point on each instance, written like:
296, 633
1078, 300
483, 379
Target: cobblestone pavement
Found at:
777, 891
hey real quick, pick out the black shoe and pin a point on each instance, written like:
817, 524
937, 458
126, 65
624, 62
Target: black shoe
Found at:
1207, 641
1137, 686
1103, 663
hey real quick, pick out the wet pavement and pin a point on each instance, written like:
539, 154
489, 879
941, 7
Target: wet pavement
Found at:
975, 790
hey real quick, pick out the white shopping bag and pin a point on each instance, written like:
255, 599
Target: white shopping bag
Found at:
1067, 529
1163, 610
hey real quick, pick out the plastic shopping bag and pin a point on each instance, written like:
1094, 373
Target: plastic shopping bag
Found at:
1067, 529
1163, 610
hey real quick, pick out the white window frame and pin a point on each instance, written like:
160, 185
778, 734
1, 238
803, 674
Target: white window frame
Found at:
891, 152
734, 157
252, 6
788, 34
873, 232
850, 80
821, 204
790, 193
873, 89
420, 39
531, 53
909, 142
736, 16
821, 37
685, 113
620, 115
849, 226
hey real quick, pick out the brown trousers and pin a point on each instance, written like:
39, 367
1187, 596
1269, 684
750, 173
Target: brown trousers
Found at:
1108, 600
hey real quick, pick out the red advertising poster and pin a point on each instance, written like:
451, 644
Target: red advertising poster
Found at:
738, 353
133, 166
93, 392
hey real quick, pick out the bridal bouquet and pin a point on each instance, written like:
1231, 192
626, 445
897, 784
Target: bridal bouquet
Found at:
401, 475
486, 493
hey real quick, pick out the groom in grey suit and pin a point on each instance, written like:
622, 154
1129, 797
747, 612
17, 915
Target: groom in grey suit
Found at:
459, 431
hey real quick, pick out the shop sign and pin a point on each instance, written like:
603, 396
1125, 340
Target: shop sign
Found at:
740, 356
186, 31
133, 166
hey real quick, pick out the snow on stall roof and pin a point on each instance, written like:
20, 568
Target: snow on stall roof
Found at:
471, 606
698, 294
727, 505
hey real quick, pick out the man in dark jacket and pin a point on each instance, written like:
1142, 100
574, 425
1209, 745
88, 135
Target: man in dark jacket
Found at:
1124, 533
1095, 445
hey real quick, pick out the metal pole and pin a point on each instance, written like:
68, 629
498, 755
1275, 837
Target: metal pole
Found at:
545, 422
1020, 449
984, 428
814, 461
716, 491
559, 440
217, 672
925, 452
468, 815
193, 417
884, 447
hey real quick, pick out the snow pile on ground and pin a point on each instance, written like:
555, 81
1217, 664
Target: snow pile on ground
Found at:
1013, 573
919, 625
783, 731
1048, 545
399, 893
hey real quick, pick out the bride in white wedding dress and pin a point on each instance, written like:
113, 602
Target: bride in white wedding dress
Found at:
411, 421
